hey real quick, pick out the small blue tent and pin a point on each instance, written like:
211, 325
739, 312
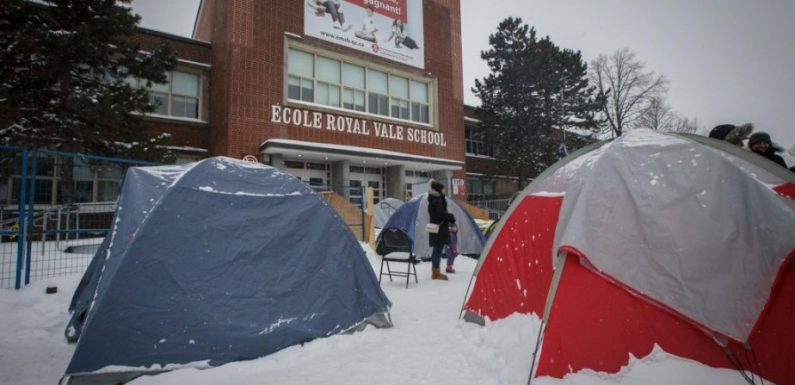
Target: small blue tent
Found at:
212, 262
412, 216
384, 210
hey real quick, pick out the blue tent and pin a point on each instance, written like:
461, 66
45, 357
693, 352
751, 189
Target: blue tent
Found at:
384, 210
412, 216
212, 262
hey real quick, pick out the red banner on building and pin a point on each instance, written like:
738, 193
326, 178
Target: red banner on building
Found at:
391, 29
393, 9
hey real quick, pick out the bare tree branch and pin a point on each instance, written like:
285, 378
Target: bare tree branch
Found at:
625, 88
686, 125
657, 116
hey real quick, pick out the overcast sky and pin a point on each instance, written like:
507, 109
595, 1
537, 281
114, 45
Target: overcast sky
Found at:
728, 61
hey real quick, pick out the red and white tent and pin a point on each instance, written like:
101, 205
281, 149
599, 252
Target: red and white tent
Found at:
650, 239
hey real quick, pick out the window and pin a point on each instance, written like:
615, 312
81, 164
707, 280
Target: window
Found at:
355, 194
328, 81
158, 96
91, 182
353, 87
377, 92
179, 96
476, 143
420, 106
184, 95
479, 189
317, 184
301, 72
421, 174
314, 175
376, 185
336, 83
399, 108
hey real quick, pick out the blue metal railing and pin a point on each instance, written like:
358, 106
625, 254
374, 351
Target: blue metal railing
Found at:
28, 228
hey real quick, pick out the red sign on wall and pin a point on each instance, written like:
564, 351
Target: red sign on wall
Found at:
393, 9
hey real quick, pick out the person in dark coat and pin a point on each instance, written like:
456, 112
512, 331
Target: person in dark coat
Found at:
761, 144
437, 211
731, 133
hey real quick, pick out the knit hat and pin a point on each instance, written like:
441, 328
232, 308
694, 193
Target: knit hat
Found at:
759, 137
437, 186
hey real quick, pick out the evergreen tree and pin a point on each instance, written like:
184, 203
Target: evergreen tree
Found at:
67, 68
534, 92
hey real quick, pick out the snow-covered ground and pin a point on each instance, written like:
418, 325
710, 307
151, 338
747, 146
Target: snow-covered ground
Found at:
428, 345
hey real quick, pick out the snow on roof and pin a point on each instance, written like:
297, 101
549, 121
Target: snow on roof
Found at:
361, 150
185, 148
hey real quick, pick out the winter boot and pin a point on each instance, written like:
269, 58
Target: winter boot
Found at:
450, 269
437, 274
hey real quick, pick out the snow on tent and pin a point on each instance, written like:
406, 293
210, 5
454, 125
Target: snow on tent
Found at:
212, 262
384, 210
682, 242
412, 217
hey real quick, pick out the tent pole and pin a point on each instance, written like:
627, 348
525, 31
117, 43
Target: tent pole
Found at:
535, 353
559, 262
461, 313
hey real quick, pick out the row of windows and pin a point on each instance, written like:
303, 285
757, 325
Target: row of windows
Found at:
322, 80
476, 143
178, 97
91, 182
480, 187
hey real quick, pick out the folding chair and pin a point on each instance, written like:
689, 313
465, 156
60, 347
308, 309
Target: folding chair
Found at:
395, 246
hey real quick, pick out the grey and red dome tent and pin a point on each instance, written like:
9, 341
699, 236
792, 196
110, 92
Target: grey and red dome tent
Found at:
212, 262
680, 241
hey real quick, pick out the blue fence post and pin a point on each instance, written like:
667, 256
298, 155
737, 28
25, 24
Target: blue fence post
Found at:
21, 218
31, 209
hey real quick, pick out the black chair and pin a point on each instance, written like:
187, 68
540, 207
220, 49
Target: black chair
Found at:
394, 245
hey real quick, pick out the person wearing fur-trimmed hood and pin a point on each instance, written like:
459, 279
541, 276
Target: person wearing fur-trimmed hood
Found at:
731, 133
761, 144
437, 211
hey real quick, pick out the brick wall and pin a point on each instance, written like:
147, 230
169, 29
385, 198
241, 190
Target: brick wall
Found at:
248, 43
185, 49
182, 134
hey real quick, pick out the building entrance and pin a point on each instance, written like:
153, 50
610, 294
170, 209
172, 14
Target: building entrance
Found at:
363, 177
